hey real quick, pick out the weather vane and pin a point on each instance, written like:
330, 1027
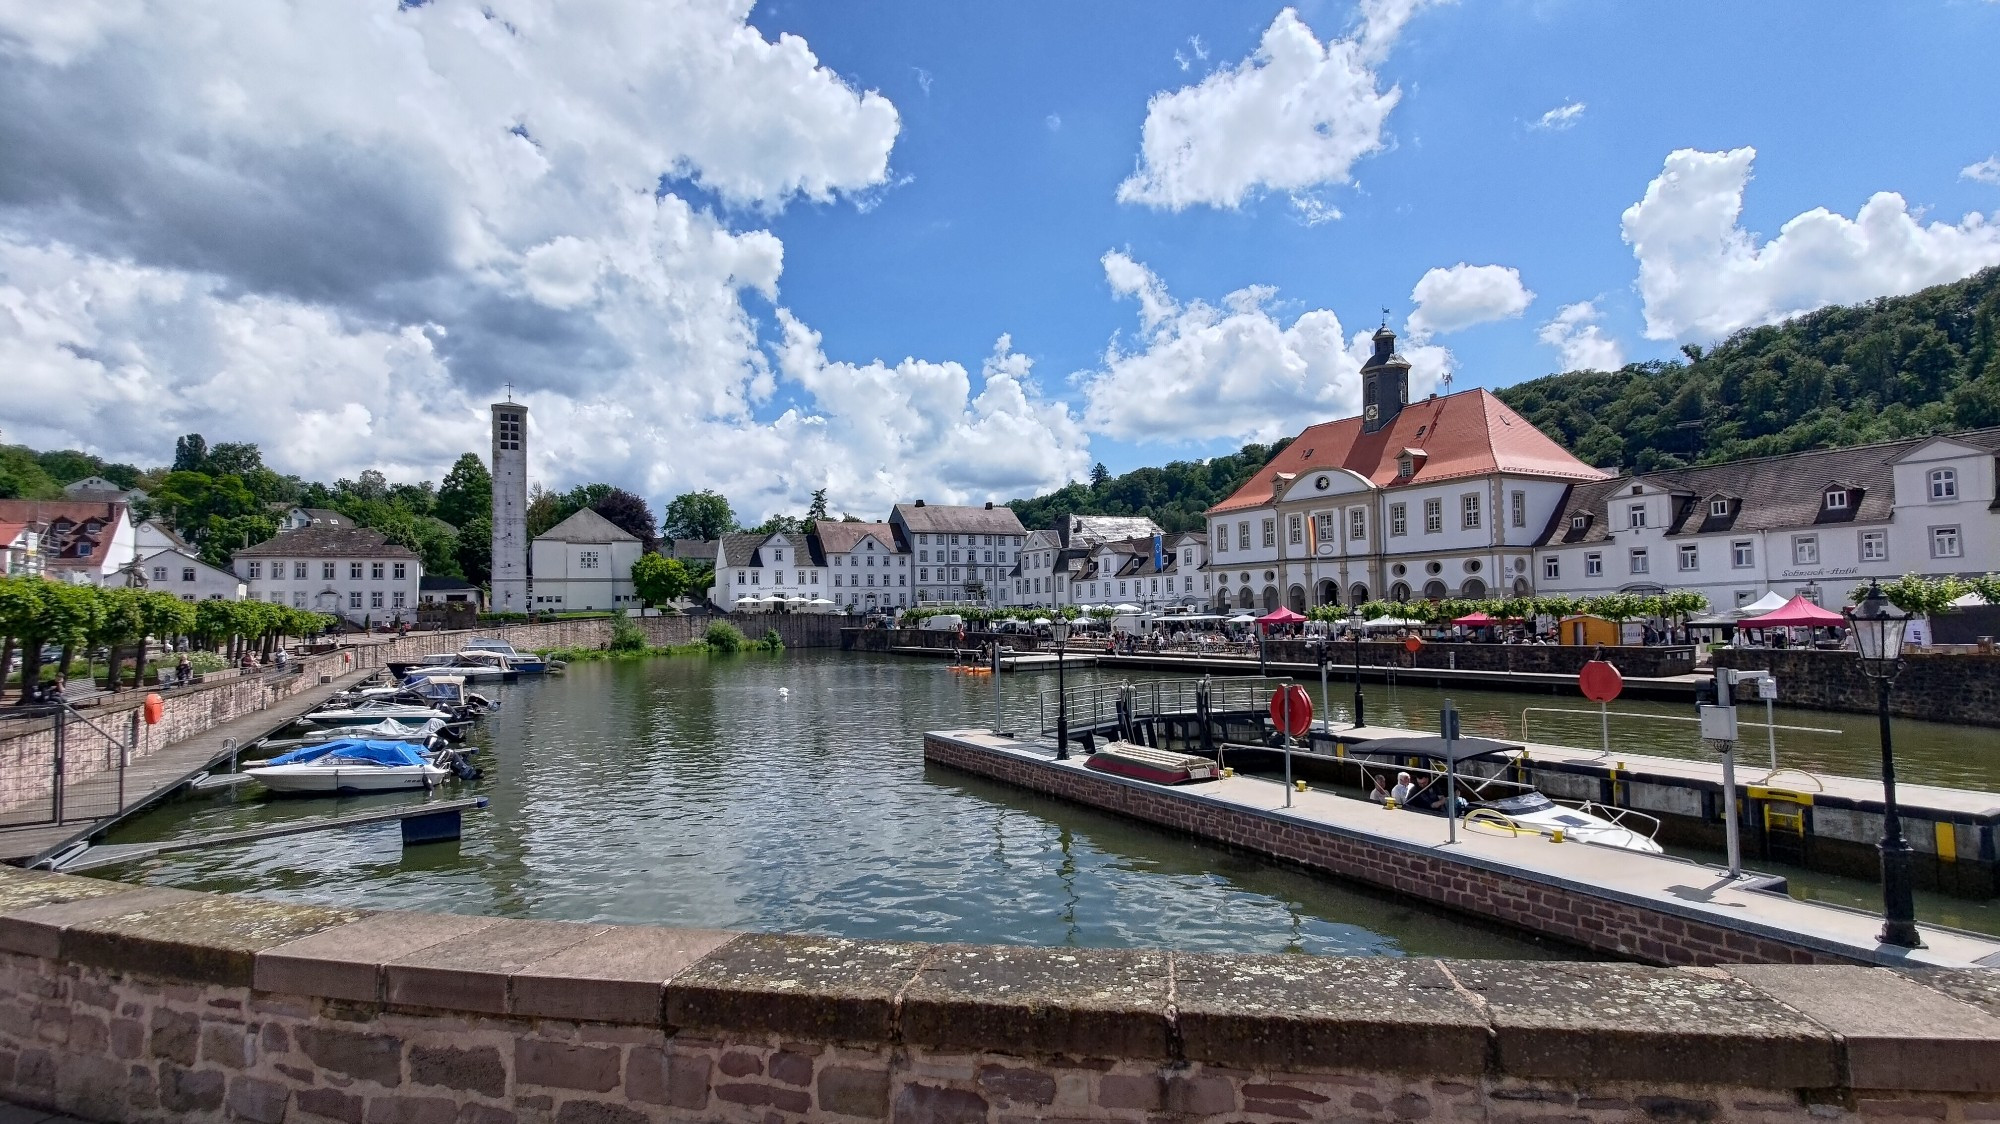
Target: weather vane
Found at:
1385, 316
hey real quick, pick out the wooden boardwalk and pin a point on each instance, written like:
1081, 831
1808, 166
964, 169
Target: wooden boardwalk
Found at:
96, 802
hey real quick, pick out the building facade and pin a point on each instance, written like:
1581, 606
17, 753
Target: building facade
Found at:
584, 563
350, 572
866, 569
1814, 523
21, 549
180, 572
784, 564
509, 464
81, 541
959, 553
1444, 497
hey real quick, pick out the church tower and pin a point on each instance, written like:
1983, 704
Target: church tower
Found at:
1385, 383
510, 507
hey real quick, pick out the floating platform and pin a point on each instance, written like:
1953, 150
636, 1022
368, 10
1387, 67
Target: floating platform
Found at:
1653, 908
1158, 766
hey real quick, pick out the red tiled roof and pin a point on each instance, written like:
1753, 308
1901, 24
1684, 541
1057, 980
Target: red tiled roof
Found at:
11, 531
1470, 433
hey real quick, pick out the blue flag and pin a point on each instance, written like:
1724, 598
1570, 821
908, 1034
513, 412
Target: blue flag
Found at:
1159, 556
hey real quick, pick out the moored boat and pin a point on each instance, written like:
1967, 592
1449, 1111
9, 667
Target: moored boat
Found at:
349, 765
1156, 765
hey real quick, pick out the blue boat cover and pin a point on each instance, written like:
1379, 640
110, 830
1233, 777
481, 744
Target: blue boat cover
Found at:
358, 750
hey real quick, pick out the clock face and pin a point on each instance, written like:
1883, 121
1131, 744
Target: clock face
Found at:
1322, 483
1370, 413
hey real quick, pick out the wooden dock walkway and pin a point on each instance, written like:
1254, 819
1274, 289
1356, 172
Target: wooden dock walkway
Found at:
100, 803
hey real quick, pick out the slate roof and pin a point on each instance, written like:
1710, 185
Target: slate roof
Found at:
1763, 493
323, 517
1470, 433
429, 581
322, 541
742, 549
700, 550
993, 519
1092, 529
587, 526
839, 537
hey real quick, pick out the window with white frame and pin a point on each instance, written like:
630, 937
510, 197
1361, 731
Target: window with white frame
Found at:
354, 571
1944, 483
1718, 508
1639, 562
1295, 530
1743, 553
1399, 519
1518, 509
1635, 516
1874, 546
326, 571
1552, 568
159, 573
397, 601
375, 599
1433, 516
1243, 535
1945, 542
1836, 499
375, 571
1357, 523
1222, 538
1270, 532
354, 599
1325, 526
400, 571
1593, 565
256, 571
187, 573
298, 571
298, 599
1690, 556
1805, 550
1468, 505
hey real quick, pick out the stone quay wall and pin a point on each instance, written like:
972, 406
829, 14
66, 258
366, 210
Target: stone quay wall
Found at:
932, 639
120, 1004
1935, 686
1645, 662
1586, 916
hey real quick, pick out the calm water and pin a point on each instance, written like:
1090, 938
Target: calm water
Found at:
688, 791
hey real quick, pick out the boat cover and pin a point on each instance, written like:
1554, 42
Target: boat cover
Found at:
355, 749
1435, 748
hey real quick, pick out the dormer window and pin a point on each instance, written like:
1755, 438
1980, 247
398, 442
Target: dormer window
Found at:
1406, 466
1578, 522
1836, 499
1718, 508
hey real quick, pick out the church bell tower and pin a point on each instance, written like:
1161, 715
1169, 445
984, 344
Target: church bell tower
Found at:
1385, 383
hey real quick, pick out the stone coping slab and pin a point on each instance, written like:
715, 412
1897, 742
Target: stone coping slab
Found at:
1775, 1027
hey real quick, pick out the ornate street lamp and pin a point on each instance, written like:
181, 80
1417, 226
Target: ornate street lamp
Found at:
1354, 621
1059, 632
1878, 639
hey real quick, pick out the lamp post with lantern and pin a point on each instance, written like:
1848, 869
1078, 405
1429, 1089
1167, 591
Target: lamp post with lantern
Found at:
1878, 640
1059, 632
1354, 621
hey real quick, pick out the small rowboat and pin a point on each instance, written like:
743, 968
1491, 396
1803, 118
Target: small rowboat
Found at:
1158, 766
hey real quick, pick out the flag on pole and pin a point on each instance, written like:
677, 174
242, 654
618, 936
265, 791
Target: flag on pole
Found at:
1312, 534
1159, 555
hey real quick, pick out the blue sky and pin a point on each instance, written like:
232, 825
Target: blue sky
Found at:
1003, 217
950, 251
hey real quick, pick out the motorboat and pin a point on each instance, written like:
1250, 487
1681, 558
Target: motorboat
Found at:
527, 663
476, 669
370, 711
349, 766
1491, 802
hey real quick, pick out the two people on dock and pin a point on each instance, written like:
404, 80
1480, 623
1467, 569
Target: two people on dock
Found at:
1400, 794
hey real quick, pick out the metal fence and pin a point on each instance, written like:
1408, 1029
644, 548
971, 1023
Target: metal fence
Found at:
73, 771
1097, 704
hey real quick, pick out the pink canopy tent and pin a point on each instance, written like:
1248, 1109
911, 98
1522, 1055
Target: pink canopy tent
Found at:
1796, 613
1476, 620
1279, 615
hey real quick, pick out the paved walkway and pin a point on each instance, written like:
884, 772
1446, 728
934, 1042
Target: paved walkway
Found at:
1679, 884
93, 803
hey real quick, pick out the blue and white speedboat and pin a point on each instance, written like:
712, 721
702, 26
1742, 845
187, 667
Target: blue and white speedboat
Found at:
527, 663
349, 765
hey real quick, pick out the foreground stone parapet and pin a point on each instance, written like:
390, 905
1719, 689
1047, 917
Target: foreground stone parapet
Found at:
122, 1003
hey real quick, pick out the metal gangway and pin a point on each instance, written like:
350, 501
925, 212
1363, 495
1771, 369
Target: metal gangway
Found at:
1100, 706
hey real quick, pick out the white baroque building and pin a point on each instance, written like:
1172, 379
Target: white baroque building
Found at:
1815, 523
758, 565
866, 568
1445, 497
351, 572
960, 553
180, 572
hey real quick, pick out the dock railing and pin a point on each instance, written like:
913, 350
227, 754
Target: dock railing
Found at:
1096, 704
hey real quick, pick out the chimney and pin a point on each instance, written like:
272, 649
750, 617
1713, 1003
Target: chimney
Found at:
920, 503
989, 505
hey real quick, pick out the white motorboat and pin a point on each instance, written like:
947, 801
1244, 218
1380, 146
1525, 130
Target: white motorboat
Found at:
495, 669
349, 766
1535, 811
369, 712
527, 663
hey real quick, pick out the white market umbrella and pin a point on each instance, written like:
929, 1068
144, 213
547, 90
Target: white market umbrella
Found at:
1391, 622
1126, 608
1243, 618
1041, 620
1769, 603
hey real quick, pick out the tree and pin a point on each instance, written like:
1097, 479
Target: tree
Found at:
467, 492
816, 511
660, 580
545, 510
22, 478
1099, 476
699, 515
475, 550
233, 458
191, 454
190, 500
629, 513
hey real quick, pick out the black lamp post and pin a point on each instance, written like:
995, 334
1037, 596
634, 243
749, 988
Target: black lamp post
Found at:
1878, 639
1059, 632
1354, 622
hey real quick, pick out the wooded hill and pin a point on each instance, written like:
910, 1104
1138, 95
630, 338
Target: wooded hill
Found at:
1893, 367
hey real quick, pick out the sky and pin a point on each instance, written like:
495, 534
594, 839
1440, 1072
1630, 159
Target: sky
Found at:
903, 249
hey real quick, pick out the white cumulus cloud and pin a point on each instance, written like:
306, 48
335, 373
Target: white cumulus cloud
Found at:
1463, 295
1295, 115
1578, 337
1559, 118
1985, 171
1200, 371
338, 231
1702, 276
